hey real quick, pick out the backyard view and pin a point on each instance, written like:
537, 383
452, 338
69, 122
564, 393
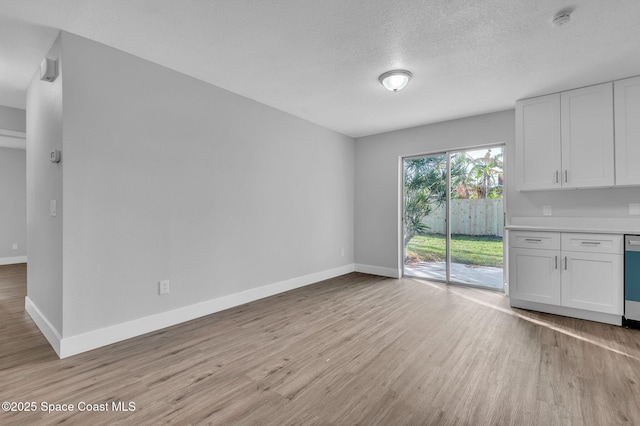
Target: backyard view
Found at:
469, 250
476, 217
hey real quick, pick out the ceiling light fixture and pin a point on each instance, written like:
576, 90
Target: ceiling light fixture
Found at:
395, 80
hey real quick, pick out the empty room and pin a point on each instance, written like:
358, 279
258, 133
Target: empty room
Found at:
299, 212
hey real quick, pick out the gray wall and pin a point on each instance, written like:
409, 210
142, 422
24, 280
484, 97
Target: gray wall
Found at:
13, 175
12, 119
592, 203
167, 177
44, 183
378, 183
13, 202
378, 174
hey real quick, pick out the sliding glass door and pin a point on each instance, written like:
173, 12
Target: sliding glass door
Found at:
453, 215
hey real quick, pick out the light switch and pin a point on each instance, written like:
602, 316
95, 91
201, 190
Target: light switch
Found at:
53, 208
634, 209
54, 156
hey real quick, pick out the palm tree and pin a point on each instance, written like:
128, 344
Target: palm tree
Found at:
461, 182
425, 188
487, 174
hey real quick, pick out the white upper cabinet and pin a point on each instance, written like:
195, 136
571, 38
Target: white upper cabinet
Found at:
587, 137
565, 140
627, 124
538, 143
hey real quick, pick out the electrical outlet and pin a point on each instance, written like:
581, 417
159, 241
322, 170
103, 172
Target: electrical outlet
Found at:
163, 287
546, 210
634, 209
14, 246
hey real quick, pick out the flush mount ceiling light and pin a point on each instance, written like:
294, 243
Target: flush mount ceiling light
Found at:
395, 80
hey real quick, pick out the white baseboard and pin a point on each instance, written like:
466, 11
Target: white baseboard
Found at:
567, 312
74, 345
377, 270
13, 260
48, 330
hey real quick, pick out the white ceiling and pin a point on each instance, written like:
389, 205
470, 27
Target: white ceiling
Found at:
320, 59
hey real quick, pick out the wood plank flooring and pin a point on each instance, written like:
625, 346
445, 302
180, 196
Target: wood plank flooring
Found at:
357, 349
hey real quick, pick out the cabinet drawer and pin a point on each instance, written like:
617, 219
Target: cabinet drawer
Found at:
534, 240
593, 243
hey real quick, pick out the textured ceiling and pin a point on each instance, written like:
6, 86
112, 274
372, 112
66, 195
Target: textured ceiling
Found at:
320, 60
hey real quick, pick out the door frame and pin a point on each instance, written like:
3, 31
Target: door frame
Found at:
448, 153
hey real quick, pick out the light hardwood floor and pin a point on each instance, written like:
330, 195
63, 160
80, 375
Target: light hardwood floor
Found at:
357, 349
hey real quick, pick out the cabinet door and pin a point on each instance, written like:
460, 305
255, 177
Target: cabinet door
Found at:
627, 123
592, 281
534, 275
587, 137
538, 143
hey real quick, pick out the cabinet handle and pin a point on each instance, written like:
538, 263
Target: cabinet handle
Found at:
556, 262
533, 240
566, 176
557, 173
565, 263
590, 243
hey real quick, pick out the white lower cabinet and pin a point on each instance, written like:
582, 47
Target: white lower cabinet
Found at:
534, 275
572, 274
593, 281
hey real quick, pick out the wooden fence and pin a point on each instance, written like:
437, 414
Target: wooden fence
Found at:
469, 217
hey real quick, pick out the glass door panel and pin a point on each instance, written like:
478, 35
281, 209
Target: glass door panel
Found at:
424, 217
476, 217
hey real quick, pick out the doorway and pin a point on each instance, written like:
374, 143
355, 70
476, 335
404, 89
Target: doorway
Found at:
453, 216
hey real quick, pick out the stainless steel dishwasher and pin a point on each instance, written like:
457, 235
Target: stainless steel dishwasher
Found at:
632, 281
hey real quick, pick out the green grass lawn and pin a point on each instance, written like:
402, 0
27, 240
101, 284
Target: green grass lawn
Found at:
470, 250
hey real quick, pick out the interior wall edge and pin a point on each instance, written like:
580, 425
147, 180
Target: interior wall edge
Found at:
378, 270
48, 330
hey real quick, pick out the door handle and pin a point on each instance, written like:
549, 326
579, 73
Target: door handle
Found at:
565, 263
556, 262
557, 173
566, 176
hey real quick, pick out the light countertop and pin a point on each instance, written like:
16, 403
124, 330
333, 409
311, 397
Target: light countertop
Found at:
582, 225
